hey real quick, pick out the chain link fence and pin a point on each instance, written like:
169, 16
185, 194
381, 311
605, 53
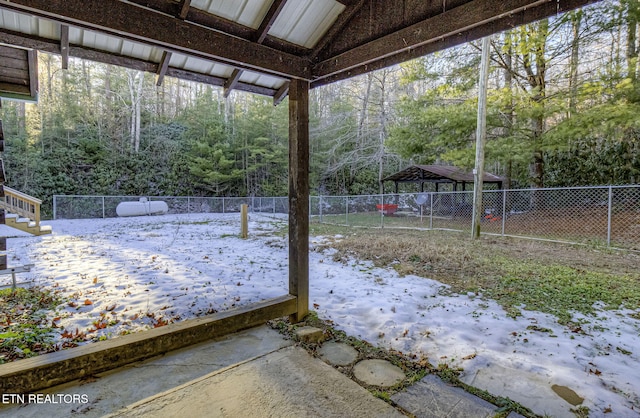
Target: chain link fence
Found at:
608, 215
86, 207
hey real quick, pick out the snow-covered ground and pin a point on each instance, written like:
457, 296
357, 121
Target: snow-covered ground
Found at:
128, 274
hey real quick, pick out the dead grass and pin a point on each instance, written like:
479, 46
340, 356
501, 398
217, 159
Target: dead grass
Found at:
512, 271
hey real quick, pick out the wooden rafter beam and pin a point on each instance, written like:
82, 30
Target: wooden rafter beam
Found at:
269, 19
64, 46
348, 2
281, 94
338, 26
462, 24
129, 21
163, 67
33, 72
259, 37
184, 9
202, 18
231, 82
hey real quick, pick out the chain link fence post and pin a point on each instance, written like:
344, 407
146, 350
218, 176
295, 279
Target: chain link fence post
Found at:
433, 195
504, 210
609, 212
381, 211
346, 210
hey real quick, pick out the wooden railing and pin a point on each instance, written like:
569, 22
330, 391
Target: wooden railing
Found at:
21, 204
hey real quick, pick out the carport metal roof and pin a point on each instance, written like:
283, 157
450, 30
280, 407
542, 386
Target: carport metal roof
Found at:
254, 45
439, 174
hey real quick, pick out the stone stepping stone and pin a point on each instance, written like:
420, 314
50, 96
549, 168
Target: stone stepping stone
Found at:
338, 354
308, 334
432, 398
378, 373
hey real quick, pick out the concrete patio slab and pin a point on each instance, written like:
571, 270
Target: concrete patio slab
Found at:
286, 383
110, 391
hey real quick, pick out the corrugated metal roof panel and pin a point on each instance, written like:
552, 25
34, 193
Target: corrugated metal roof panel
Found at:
47, 29
249, 12
261, 80
99, 41
246, 12
18, 22
303, 22
202, 66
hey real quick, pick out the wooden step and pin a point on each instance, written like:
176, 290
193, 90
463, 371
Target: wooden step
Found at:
26, 225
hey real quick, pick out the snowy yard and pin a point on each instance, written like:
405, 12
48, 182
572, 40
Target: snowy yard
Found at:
129, 274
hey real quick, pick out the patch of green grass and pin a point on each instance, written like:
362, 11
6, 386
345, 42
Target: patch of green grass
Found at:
24, 328
581, 412
195, 223
560, 290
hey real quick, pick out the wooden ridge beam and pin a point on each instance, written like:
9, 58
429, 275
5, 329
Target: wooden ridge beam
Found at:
462, 24
128, 21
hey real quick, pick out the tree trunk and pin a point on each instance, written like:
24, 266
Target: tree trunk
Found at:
135, 80
535, 65
576, 20
508, 83
632, 49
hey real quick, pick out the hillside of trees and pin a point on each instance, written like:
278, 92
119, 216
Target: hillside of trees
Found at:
564, 110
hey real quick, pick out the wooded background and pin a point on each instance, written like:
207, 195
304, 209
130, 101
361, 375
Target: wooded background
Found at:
564, 110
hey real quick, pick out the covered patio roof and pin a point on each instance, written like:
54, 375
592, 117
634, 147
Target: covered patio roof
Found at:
269, 47
257, 45
438, 174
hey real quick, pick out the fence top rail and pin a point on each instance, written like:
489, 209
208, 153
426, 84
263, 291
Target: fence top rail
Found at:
626, 186
166, 197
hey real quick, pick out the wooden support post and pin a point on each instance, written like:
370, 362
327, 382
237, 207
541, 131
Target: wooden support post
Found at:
299, 196
244, 221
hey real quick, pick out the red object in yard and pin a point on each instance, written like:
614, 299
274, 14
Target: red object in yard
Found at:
387, 209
